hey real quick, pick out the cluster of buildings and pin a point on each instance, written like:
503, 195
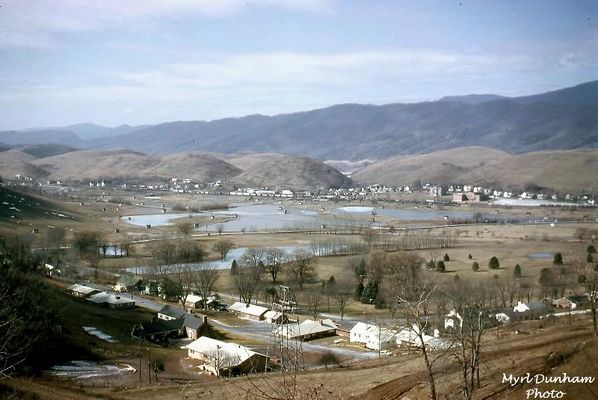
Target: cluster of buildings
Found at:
376, 337
100, 297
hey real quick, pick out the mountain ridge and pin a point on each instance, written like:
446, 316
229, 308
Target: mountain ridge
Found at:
558, 120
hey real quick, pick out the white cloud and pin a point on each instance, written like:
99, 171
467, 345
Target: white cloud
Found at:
286, 69
33, 23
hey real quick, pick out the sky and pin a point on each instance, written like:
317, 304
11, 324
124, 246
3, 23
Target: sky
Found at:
114, 62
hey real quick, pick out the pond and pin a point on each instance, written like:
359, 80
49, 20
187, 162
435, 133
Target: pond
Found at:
541, 255
163, 219
410, 214
265, 217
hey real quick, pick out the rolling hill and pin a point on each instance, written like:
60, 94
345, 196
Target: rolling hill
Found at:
287, 171
272, 170
93, 164
561, 171
15, 162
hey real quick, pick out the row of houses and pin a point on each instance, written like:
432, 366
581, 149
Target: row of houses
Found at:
376, 337
109, 299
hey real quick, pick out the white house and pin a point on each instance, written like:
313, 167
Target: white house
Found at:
502, 318
564, 302
112, 300
275, 317
307, 330
453, 319
373, 336
223, 358
520, 307
251, 311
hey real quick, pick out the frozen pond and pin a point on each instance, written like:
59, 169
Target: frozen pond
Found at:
409, 214
541, 255
356, 209
155, 219
89, 370
265, 217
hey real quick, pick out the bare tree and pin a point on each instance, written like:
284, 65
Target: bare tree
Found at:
415, 311
185, 278
369, 236
342, 295
470, 302
303, 266
249, 277
313, 301
185, 228
205, 279
223, 247
274, 258
87, 245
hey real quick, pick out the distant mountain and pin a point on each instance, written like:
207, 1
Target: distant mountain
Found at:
43, 136
91, 131
564, 119
585, 94
46, 150
473, 98
561, 171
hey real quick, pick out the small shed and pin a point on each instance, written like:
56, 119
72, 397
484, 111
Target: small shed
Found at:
275, 317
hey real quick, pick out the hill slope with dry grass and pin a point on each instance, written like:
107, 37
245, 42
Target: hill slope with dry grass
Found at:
285, 170
272, 170
554, 170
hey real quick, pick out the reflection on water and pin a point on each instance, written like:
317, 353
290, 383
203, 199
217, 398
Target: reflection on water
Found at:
155, 219
235, 254
541, 255
265, 217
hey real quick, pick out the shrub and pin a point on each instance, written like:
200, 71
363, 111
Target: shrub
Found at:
517, 271
475, 267
493, 263
446, 257
558, 259
440, 267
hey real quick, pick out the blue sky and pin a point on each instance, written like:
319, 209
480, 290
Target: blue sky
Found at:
138, 62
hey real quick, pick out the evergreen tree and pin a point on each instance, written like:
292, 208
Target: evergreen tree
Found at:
358, 291
558, 259
493, 263
440, 267
475, 267
370, 293
446, 257
517, 271
234, 268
